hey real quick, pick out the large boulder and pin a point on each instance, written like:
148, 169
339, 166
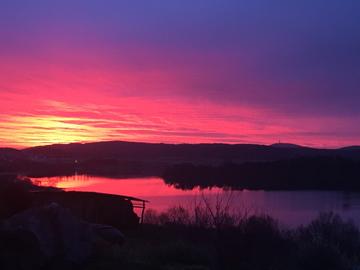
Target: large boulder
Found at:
57, 233
19, 249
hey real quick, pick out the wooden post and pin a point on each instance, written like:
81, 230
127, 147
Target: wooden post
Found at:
142, 212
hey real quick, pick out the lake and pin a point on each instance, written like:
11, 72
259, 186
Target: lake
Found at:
291, 208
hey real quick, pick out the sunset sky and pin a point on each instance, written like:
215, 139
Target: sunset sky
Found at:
180, 71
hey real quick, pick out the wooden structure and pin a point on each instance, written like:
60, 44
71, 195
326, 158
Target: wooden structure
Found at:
110, 209
138, 203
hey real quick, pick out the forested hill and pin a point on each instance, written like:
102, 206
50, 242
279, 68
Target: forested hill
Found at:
184, 152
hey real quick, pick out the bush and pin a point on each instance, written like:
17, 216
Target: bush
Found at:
257, 242
329, 240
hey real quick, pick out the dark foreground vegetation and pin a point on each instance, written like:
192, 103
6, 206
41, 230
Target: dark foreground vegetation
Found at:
317, 173
252, 242
208, 235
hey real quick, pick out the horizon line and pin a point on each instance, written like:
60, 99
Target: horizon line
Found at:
20, 148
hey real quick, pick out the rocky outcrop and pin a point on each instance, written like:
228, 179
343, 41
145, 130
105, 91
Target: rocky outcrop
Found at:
19, 249
53, 232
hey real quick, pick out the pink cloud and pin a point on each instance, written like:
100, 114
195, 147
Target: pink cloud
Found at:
71, 95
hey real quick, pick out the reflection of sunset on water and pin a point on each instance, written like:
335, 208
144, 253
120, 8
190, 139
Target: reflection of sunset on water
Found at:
137, 187
65, 182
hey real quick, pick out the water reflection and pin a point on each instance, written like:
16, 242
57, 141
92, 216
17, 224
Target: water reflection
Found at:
135, 187
290, 207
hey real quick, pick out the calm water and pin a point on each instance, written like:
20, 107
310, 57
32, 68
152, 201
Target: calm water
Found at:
289, 207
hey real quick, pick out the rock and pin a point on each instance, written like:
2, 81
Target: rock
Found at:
109, 234
62, 235
19, 249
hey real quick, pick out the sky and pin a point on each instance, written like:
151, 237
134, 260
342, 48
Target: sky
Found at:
180, 71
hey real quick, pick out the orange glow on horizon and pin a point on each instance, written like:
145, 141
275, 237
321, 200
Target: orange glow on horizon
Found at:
40, 130
72, 106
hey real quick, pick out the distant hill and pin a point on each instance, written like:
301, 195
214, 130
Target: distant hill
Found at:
151, 159
11, 153
287, 145
351, 148
185, 152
